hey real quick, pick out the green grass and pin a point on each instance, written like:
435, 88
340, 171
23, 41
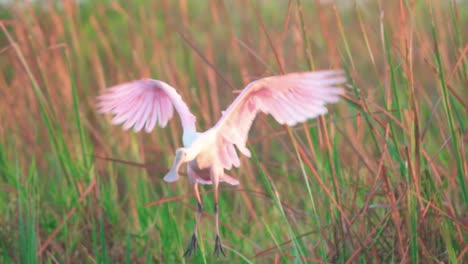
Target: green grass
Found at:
382, 178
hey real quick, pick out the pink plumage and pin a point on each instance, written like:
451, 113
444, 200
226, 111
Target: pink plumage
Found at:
143, 103
290, 99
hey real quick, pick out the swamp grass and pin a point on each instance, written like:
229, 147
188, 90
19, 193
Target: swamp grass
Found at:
380, 179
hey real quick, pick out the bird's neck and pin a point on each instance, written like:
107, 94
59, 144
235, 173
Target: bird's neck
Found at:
193, 151
189, 137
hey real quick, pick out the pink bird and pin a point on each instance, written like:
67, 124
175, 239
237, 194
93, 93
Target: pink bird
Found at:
290, 99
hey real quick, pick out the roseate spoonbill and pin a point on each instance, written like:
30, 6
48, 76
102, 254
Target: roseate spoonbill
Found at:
290, 99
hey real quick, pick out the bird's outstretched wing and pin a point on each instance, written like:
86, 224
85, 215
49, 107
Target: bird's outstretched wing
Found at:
142, 103
290, 99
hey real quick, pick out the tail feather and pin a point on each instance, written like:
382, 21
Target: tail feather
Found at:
229, 179
225, 178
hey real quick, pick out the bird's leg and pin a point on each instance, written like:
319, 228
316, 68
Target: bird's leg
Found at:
218, 245
193, 245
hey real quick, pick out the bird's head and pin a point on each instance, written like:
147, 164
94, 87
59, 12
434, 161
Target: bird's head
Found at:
180, 157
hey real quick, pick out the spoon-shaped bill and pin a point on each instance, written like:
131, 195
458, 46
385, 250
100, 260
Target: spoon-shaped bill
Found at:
173, 174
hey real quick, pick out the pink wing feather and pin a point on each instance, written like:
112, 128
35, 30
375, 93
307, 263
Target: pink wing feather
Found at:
143, 103
290, 99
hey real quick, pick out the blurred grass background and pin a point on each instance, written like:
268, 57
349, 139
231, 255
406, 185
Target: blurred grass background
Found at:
382, 178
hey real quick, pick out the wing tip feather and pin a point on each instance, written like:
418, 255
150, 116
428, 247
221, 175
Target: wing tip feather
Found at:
125, 102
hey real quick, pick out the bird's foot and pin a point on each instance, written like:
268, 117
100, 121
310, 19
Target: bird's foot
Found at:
218, 247
192, 248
